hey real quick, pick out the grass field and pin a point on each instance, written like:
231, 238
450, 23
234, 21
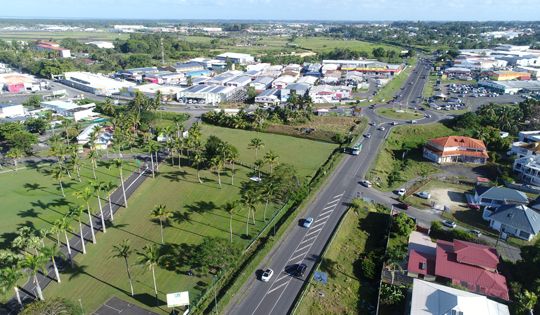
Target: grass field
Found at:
30, 197
199, 215
391, 169
79, 35
395, 114
346, 291
430, 86
388, 91
325, 44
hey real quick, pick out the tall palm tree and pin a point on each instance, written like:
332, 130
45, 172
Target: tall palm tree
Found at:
258, 165
76, 164
93, 155
150, 148
58, 174
231, 155
392, 266
8, 280
161, 213
198, 160
230, 208
268, 190
85, 194
34, 264
271, 158
98, 187
256, 144
179, 127
77, 213
149, 258
217, 164
109, 188
64, 226
249, 200
123, 250
51, 252
119, 164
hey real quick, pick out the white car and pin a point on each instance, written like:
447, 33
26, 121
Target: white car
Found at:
366, 183
424, 195
267, 274
450, 224
401, 192
381, 128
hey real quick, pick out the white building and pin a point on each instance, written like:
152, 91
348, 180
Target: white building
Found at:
329, 93
283, 81
103, 136
206, 94
168, 92
429, 298
528, 169
236, 58
268, 97
102, 44
529, 136
262, 83
510, 87
95, 83
11, 110
70, 109
524, 149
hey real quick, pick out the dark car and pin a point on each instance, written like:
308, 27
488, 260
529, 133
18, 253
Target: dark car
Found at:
300, 270
403, 206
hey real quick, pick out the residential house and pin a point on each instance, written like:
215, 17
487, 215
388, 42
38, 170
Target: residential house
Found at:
53, 47
422, 253
283, 81
434, 299
330, 93
103, 136
11, 110
300, 89
492, 196
528, 169
456, 149
261, 83
268, 97
516, 220
529, 136
524, 149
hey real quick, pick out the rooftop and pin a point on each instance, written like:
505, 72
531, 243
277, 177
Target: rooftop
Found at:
518, 216
501, 193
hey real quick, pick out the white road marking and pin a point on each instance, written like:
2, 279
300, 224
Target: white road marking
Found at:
307, 240
295, 257
326, 216
301, 248
337, 196
274, 289
320, 215
314, 231
320, 221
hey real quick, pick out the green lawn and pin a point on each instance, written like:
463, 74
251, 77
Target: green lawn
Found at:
79, 35
198, 215
325, 44
391, 170
397, 114
346, 291
388, 91
430, 86
30, 197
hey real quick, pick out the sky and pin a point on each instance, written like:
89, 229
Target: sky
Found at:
349, 10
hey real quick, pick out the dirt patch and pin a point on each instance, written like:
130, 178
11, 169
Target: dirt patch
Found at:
449, 197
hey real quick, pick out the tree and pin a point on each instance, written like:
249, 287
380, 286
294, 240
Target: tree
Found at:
391, 294
54, 306
161, 213
8, 280
123, 251
15, 154
526, 301
271, 158
93, 155
217, 164
149, 258
64, 226
119, 165
98, 187
230, 153
230, 208
85, 194
256, 144
52, 251
378, 52
109, 188
34, 264
77, 213
249, 199
198, 160
392, 266
58, 174
34, 101
403, 225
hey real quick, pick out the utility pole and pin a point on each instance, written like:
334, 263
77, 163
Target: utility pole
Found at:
162, 51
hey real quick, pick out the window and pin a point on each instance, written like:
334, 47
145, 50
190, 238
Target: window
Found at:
422, 266
454, 312
524, 235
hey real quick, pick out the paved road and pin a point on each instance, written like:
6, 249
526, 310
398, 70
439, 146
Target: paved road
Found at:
302, 245
28, 291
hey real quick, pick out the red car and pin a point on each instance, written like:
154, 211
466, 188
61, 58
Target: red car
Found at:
473, 206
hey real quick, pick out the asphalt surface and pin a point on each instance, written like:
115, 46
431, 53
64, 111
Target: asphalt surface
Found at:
131, 183
301, 245
116, 306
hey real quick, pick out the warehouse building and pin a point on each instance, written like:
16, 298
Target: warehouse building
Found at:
237, 58
262, 83
94, 83
71, 109
11, 110
510, 87
207, 94
268, 97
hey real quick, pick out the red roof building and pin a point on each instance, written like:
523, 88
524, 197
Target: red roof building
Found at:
456, 149
54, 47
469, 265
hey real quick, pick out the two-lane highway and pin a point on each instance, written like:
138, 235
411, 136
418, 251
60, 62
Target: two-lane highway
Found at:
305, 245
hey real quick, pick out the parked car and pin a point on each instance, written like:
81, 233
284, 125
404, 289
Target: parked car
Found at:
367, 135
424, 195
267, 274
371, 123
307, 222
450, 224
401, 192
381, 128
476, 233
403, 206
394, 123
413, 121
366, 183
300, 270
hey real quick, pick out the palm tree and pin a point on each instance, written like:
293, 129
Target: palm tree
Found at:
249, 199
149, 258
392, 266
217, 164
256, 144
271, 159
268, 190
34, 264
15, 154
85, 194
230, 208
98, 187
198, 160
77, 213
64, 226
109, 188
58, 174
258, 165
93, 155
526, 301
123, 250
52, 251
162, 214
230, 153
119, 164
76, 164
151, 147
178, 122
8, 280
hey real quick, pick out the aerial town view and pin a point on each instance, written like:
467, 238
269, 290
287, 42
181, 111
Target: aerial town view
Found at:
270, 157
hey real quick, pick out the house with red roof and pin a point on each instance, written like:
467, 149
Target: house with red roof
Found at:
53, 47
472, 266
456, 149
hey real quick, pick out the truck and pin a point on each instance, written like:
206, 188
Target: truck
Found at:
355, 150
